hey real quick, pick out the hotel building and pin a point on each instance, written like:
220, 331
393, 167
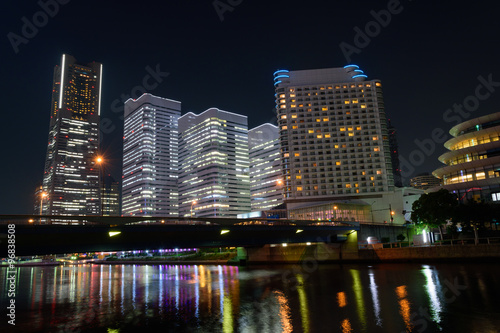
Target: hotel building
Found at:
473, 163
266, 184
71, 184
214, 176
150, 156
333, 135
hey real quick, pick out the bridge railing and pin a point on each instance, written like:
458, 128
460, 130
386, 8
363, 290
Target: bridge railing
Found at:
128, 220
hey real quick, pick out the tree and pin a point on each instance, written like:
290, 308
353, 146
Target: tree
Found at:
434, 209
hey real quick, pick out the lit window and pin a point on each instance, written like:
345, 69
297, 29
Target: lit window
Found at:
324, 108
338, 163
363, 106
348, 185
283, 116
375, 138
319, 136
310, 131
294, 116
378, 84
295, 127
299, 188
376, 149
325, 119
327, 135
480, 175
284, 127
297, 154
298, 177
292, 95
379, 172
346, 102
285, 155
358, 128
342, 129
351, 134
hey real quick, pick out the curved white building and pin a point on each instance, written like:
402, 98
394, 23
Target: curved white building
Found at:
473, 163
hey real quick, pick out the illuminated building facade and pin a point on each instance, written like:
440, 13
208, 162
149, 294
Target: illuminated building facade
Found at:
473, 163
424, 181
110, 197
71, 177
266, 185
333, 134
150, 156
214, 164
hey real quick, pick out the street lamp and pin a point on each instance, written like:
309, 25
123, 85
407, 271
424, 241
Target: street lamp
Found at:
42, 195
100, 162
192, 204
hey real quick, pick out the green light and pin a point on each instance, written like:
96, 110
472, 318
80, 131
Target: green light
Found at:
298, 231
224, 231
114, 233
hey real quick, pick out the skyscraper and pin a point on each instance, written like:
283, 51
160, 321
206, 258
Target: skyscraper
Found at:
394, 148
333, 134
110, 196
266, 185
71, 178
150, 156
213, 157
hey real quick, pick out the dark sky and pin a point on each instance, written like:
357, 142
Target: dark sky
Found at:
429, 57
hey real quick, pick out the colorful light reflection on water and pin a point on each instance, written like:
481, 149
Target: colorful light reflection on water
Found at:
201, 298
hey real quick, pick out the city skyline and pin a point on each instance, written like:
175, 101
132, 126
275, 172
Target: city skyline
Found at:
425, 71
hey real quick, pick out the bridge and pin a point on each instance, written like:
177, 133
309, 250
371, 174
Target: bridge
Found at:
67, 234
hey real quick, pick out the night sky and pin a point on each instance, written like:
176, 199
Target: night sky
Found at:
428, 57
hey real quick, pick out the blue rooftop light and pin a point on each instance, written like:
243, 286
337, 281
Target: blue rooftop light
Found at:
280, 76
347, 66
281, 71
359, 75
358, 70
277, 82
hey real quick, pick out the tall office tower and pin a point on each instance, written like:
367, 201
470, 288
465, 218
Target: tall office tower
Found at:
266, 184
150, 156
213, 157
110, 196
333, 134
394, 148
71, 178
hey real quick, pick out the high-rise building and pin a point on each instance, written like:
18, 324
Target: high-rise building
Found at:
71, 177
213, 156
150, 156
266, 184
333, 134
110, 196
394, 148
472, 169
